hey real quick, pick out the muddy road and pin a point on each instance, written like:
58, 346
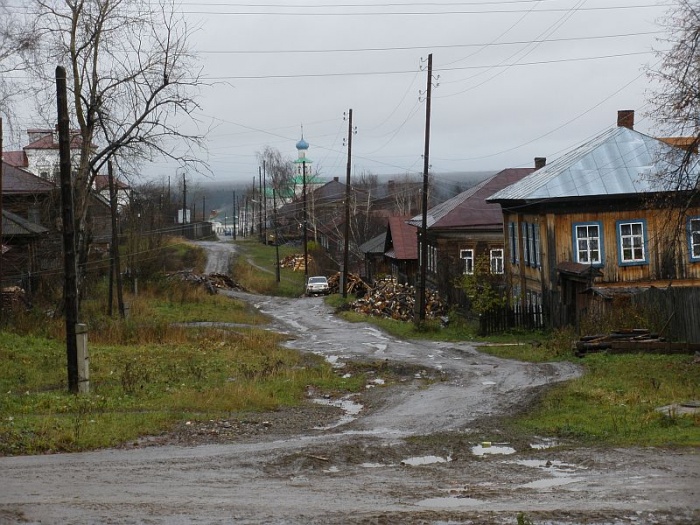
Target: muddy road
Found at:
429, 449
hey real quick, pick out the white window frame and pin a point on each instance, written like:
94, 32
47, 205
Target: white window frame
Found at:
588, 240
467, 255
694, 238
629, 241
496, 258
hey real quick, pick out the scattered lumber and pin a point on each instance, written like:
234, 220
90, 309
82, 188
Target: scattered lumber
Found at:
397, 301
356, 286
630, 341
212, 282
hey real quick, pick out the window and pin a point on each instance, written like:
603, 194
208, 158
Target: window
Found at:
535, 249
468, 257
694, 238
513, 242
497, 261
587, 243
632, 242
432, 258
526, 242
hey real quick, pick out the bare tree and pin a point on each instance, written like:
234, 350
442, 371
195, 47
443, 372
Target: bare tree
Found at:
279, 172
17, 45
675, 102
132, 80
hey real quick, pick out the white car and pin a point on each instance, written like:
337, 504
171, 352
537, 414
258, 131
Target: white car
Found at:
317, 285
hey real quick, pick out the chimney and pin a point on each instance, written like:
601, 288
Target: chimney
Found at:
540, 162
625, 118
335, 179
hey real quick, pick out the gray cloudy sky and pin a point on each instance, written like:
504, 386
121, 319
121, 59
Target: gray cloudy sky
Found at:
517, 79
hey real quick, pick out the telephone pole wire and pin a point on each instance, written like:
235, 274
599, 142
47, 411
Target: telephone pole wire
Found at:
346, 258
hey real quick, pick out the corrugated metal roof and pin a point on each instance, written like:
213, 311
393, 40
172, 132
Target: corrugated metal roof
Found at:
375, 244
469, 209
618, 161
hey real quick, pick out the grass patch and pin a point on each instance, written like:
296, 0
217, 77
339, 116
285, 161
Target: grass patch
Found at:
616, 399
254, 268
147, 374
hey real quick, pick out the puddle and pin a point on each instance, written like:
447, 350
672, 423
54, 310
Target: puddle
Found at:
549, 483
425, 460
372, 465
481, 450
347, 405
555, 467
488, 383
446, 502
331, 470
544, 444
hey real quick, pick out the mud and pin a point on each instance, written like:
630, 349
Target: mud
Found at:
429, 444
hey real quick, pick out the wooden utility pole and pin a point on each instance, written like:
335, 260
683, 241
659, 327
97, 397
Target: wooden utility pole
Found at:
70, 288
114, 260
260, 204
346, 256
277, 241
1, 216
423, 240
233, 212
305, 235
264, 201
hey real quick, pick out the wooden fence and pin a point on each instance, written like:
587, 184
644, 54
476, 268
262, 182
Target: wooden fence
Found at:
677, 307
504, 319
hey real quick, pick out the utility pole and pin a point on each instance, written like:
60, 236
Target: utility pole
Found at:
260, 204
306, 248
204, 208
70, 288
1, 175
420, 292
235, 219
277, 241
116, 263
184, 203
252, 209
346, 257
264, 200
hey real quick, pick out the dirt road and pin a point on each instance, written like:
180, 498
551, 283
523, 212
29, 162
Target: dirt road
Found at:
406, 454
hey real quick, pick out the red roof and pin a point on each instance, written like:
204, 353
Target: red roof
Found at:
102, 183
47, 141
15, 158
18, 181
469, 209
403, 238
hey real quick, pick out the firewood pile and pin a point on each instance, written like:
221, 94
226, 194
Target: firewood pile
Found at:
636, 340
13, 297
356, 286
397, 301
212, 282
295, 262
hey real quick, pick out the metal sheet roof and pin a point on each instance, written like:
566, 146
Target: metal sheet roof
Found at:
618, 161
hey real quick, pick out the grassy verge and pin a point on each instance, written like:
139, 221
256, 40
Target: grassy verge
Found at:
146, 374
255, 269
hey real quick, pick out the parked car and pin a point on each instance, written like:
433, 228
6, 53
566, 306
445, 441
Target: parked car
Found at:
317, 285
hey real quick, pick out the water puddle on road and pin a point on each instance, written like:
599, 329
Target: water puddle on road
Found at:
447, 502
561, 473
425, 460
347, 405
485, 449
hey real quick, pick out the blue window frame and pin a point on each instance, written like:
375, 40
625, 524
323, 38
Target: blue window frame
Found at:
513, 242
632, 242
694, 238
588, 243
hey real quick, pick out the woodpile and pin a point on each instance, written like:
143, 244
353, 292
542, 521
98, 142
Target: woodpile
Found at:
295, 262
636, 340
13, 298
356, 286
212, 282
397, 301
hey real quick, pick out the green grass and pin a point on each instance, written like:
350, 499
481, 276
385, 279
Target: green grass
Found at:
254, 268
616, 399
147, 372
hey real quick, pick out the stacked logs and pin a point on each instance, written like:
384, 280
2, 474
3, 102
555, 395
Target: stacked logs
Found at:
634, 340
356, 286
397, 301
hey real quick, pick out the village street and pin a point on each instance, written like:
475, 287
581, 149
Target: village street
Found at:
429, 449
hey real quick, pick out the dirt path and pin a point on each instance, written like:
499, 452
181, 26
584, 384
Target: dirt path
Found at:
406, 454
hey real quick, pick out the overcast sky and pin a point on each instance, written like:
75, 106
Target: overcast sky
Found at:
518, 79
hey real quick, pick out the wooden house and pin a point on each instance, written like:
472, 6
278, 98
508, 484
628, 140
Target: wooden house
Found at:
401, 250
463, 229
599, 222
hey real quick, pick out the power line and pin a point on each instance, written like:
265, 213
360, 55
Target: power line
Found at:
420, 48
